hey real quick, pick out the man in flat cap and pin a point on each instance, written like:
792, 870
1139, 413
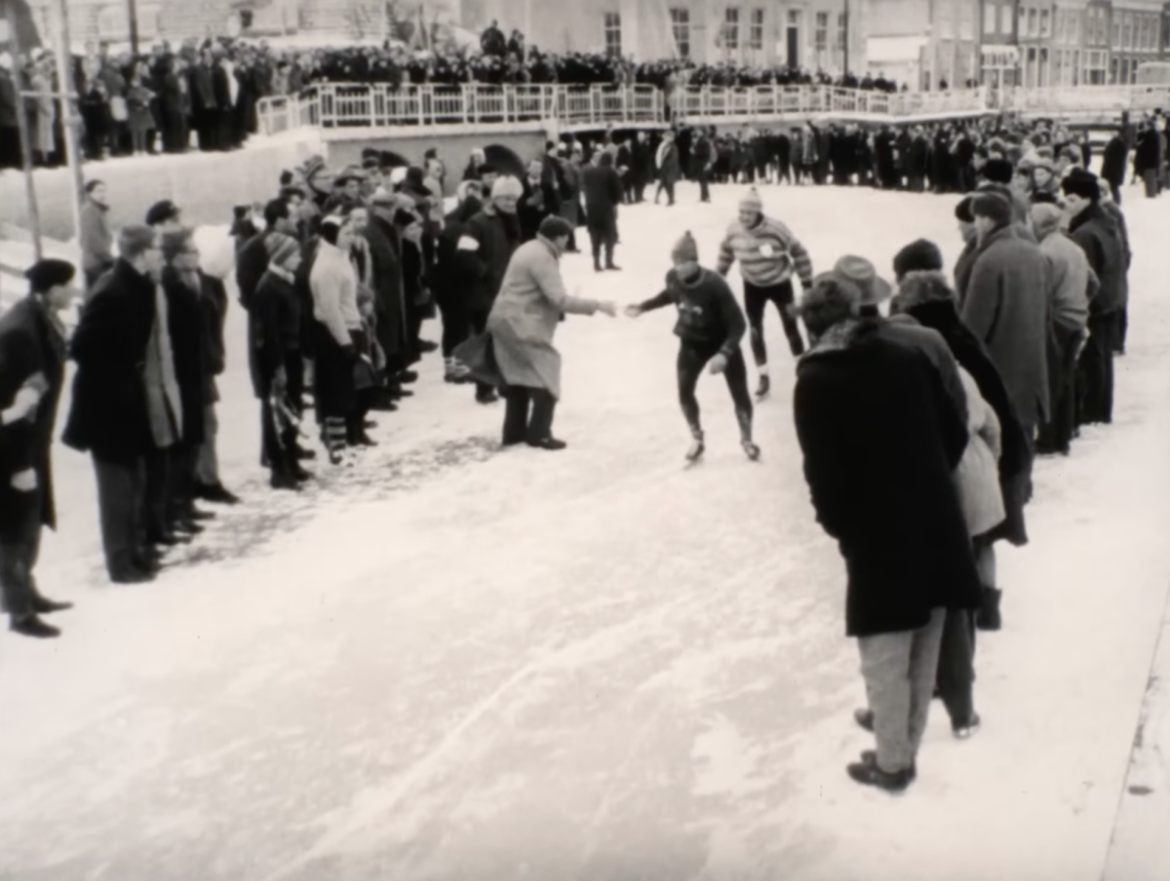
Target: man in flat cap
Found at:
32, 364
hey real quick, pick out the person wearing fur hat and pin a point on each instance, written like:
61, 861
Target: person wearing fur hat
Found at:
881, 440
523, 321
769, 256
1095, 231
277, 314
710, 328
1073, 285
32, 370
486, 248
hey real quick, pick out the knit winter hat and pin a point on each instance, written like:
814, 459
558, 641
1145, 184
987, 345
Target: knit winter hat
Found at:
1082, 183
993, 206
920, 256
281, 249
998, 171
685, 250
752, 202
161, 212
507, 187
1046, 218
48, 273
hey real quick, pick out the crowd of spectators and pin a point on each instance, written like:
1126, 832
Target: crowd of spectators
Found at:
204, 95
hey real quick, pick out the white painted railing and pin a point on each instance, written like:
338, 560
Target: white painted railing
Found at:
336, 105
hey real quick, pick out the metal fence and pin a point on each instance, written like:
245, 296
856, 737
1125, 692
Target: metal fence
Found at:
1071, 100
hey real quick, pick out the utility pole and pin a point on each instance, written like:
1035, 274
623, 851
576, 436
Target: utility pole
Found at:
132, 16
847, 37
70, 115
19, 60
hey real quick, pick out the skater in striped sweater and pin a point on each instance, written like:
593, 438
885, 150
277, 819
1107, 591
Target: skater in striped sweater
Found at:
769, 255
710, 327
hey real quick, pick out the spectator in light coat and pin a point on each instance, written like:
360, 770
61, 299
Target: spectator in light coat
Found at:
96, 234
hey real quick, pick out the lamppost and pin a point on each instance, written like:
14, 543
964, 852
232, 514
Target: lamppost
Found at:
847, 37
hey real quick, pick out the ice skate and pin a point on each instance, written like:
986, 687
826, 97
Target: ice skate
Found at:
751, 450
765, 387
695, 453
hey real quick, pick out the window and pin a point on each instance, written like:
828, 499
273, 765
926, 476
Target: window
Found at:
1005, 20
821, 36
1045, 24
841, 29
946, 25
989, 14
1116, 37
613, 34
756, 33
680, 26
731, 28
966, 21
1126, 32
1033, 25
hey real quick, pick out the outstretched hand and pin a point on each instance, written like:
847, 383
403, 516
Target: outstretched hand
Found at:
633, 311
718, 364
609, 307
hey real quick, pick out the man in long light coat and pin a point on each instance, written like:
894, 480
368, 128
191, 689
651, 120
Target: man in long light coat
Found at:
523, 321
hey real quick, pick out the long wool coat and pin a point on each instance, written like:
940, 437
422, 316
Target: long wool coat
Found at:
524, 318
29, 344
109, 412
881, 438
1006, 307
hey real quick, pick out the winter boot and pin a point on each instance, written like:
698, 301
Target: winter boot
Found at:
869, 774
869, 757
963, 730
31, 625
988, 617
765, 387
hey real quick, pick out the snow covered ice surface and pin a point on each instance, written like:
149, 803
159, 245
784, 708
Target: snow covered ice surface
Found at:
450, 663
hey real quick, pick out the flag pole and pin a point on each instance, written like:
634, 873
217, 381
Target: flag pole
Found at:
70, 115
19, 61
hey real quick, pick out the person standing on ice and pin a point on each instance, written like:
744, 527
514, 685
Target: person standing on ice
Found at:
881, 438
710, 327
32, 370
769, 255
522, 323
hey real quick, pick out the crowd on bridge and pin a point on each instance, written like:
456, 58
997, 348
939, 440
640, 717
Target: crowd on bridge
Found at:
205, 95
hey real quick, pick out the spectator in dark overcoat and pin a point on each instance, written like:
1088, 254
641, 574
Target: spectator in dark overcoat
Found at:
32, 368
603, 194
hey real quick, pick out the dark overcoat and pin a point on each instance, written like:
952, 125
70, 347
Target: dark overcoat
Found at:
109, 416
881, 438
29, 344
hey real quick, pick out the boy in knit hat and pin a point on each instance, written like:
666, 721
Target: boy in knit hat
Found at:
710, 327
769, 255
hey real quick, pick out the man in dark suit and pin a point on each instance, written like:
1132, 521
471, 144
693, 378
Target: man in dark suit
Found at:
32, 366
603, 193
110, 417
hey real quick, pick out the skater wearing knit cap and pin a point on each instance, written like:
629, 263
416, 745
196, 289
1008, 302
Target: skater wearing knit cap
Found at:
769, 255
710, 327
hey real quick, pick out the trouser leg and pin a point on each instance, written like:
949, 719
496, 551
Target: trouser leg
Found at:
543, 409
923, 671
121, 501
18, 554
783, 296
207, 458
737, 383
885, 664
956, 666
517, 402
754, 301
158, 521
690, 364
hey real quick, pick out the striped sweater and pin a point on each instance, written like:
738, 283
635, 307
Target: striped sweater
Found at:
768, 254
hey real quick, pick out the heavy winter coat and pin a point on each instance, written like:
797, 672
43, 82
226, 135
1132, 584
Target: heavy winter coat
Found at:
1094, 230
524, 318
97, 237
977, 475
30, 343
881, 439
487, 245
1069, 283
109, 414
603, 194
213, 306
1007, 308
276, 310
669, 167
389, 302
